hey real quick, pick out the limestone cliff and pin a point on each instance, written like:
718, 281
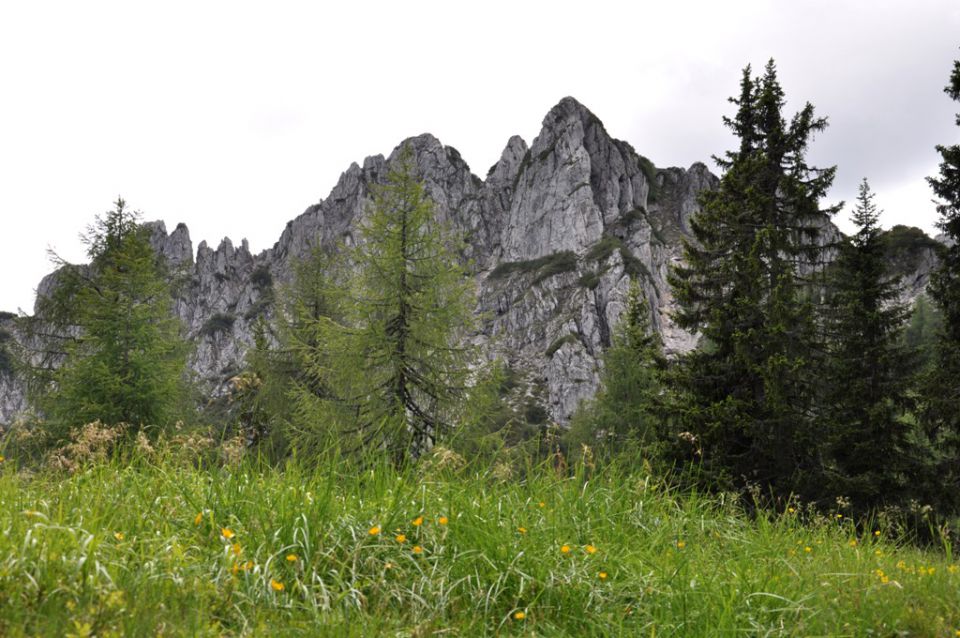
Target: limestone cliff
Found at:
554, 233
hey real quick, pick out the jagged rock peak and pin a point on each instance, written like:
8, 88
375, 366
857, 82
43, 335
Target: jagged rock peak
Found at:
566, 107
506, 169
176, 247
574, 183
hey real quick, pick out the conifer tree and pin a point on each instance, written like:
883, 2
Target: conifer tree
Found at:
869, 370
747, 387
628, 412
942, 388
390, 358
105, 340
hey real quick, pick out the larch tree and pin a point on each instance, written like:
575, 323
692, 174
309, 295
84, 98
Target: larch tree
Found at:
390, 358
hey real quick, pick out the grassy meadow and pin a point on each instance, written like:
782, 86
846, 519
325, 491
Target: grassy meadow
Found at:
161, 548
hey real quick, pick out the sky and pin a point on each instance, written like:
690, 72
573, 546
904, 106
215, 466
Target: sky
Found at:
233, 117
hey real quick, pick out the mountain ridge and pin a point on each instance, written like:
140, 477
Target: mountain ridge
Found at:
555, 232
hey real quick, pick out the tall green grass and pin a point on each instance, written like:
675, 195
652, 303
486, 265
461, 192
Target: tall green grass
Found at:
158, 549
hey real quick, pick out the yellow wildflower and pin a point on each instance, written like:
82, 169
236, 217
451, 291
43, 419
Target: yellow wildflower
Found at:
2, 459
291, 558
443, 520
791, 510
227, 533
590, 549
565, 549
953, 569
876, 533
276, 585
808, 549
400, 538
198, 518
522, 530
235, 568
417, 549
373, 531
542, 504
853, 542
417, 522
602, 575
236, 549
519, 615
118, 536
681, 544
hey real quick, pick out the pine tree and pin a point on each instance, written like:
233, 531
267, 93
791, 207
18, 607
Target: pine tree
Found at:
106, 342
627, 413
747, 388
868, 370
942, 388
388, 368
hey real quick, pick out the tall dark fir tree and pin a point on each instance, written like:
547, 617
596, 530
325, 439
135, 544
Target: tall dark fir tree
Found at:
868, 371
746, 390
942, 391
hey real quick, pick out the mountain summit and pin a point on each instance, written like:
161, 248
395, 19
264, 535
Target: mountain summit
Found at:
554, 233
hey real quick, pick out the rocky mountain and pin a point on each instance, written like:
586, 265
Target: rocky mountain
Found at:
554, 233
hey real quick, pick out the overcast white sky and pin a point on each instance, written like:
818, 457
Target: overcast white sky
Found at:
233, 117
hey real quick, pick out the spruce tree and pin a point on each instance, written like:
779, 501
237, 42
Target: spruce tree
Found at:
105, 341
388, 368
942, 388
627, 415
869, 370
747, 398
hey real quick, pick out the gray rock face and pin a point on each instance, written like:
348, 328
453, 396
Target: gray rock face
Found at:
554, 235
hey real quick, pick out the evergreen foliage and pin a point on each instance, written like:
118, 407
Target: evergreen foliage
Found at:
627, 413
389, 360
923, 331
869, 370
747, 388
287, 360
942, 388
107, 346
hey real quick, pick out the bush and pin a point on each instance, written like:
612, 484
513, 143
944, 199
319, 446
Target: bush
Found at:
603, 248
6, 361
559, 343
650, 172
589, 280
262, 278
543, 267
218, 323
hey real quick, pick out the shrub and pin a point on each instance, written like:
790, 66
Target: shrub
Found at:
650, 172
559, 343
218, 323
6, 361
589, 280
542, 267
603, 248
261, 277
